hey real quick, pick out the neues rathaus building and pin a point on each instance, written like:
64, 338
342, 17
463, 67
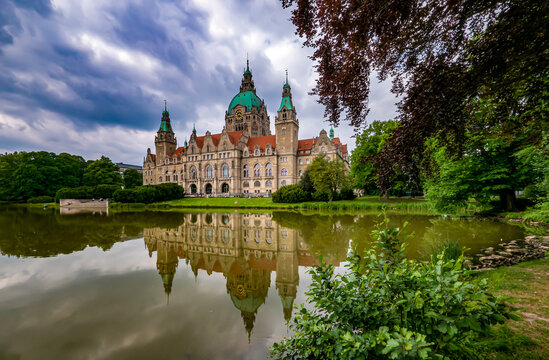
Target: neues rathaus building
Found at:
245, 158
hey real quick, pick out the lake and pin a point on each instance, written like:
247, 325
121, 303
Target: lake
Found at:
179, 284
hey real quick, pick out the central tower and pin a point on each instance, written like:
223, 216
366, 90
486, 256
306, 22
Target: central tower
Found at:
246, 110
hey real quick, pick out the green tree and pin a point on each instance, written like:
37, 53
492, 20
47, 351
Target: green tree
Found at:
132, 178
489, 167
369, 144
306, 182
102, 171
328, 176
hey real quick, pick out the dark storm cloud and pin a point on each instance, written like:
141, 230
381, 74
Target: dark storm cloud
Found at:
100, 70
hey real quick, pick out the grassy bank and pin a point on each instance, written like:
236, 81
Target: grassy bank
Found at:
363, 203
527, 285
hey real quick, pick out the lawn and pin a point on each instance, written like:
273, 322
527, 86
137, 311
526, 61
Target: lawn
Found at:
363, 203
527, 285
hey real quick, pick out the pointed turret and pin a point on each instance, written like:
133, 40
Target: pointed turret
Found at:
247, 82
165, 141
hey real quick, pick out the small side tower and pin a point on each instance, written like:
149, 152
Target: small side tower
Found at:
287, 132
164, 141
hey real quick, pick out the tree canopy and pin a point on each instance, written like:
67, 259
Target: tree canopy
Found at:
132, 178
102, 171
463, 69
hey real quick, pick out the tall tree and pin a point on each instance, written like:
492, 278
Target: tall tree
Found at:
446, 59
132, 178
102, 171
327, 175
368, 144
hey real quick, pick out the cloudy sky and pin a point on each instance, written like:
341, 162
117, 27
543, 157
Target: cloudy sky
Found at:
90, 77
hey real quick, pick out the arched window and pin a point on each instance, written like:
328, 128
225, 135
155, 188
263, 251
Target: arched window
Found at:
257, 184
268, 169
268, 183
207, 148
323, 149
208, 188
283, 131
246, 184
193, 189
257, 151
283, 182
246, 171
268, 149
284, 114
193, 172
284, 172
300, 161
160, 179
257, 170
225, 170
300, 172
209, 172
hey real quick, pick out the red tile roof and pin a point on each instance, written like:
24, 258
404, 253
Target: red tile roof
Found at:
153, 157
234, 137
306, 144
345, 148
262, 141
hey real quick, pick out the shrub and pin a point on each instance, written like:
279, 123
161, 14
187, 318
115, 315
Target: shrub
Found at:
82, 192
149, 194
40, 199
321, 196
290, 194
388, 307
105, 191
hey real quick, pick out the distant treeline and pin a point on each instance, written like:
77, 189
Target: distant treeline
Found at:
27, 175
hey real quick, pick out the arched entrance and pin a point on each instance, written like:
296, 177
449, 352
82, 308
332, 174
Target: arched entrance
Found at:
208, 188
193, 188
225, 188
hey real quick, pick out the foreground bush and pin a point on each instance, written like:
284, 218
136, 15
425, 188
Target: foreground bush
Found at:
40, 199
290, 194
388, 307
149, 193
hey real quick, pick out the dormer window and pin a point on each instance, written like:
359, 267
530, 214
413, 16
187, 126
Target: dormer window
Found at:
257, 151
284, 114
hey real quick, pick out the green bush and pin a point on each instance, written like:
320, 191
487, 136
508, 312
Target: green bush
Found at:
149, 193
388, 307
40, 199
105, 191
82, 192
345, 194
321, 196
290, 194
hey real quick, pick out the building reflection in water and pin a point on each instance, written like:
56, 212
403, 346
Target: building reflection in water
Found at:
245, 248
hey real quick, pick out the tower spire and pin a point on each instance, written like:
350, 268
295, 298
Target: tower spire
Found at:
286, 76
165, 105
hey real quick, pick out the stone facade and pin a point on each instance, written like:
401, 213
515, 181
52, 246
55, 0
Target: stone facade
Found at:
244, 158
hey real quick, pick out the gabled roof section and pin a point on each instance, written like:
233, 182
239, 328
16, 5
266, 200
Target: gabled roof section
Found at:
262, 141
234, 137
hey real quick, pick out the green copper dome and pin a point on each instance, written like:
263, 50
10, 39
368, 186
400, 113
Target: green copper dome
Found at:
247, 98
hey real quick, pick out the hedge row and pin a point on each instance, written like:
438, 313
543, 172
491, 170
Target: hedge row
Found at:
296, 194
149, 193
40, 199
87, 192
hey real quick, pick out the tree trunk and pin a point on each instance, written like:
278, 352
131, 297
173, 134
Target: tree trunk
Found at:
508, 200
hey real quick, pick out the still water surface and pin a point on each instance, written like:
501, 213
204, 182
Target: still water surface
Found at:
178, 285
